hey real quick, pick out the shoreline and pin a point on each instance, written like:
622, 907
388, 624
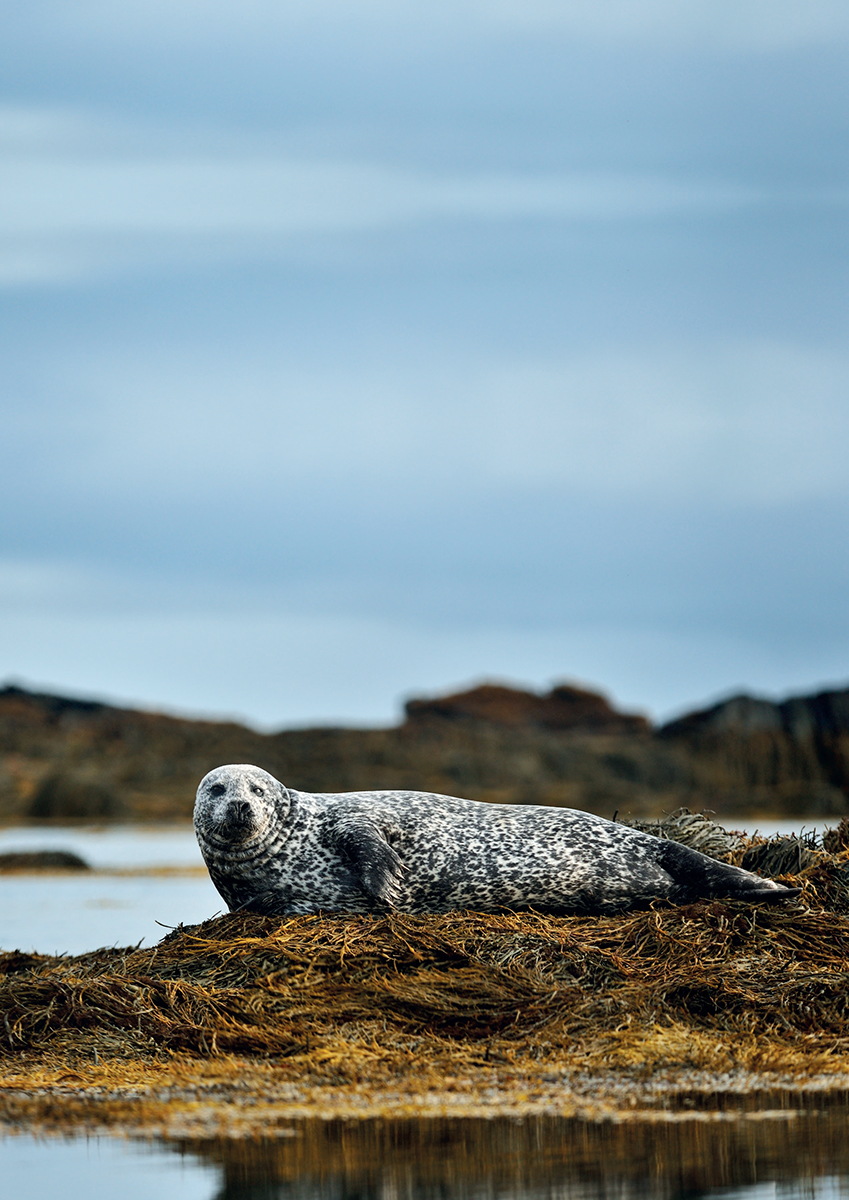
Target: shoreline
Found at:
188, 1103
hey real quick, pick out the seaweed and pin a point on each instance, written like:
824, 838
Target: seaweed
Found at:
716, 985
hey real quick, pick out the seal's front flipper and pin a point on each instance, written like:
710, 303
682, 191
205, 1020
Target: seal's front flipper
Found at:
268, 904
376, 866
696, 875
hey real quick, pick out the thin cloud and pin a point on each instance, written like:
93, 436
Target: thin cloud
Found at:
737, 25
91, 206
729, 422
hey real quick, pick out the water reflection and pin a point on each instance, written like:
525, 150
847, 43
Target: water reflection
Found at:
754, 1155
790, 1154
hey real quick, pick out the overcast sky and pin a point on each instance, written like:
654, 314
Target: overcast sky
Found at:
359, 350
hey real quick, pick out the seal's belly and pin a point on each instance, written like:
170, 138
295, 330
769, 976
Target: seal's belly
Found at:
526, 858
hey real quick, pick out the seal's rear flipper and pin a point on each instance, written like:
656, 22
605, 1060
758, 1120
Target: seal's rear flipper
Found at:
697, 875
769, 895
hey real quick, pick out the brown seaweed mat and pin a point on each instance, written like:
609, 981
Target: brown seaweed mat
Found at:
245, 1021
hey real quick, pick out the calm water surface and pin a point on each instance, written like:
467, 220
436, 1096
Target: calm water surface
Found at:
69, 914
803, 1155
111, 847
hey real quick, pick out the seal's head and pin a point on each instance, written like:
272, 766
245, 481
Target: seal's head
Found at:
239, 804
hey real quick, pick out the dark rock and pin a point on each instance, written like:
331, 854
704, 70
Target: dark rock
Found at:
799, 716
798, 748
42, 860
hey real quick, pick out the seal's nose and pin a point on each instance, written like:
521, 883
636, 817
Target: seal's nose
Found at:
238, 820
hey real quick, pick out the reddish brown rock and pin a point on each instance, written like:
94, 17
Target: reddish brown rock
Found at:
564, 707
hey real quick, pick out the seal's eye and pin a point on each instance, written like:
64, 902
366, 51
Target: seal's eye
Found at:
218, 789
257, 790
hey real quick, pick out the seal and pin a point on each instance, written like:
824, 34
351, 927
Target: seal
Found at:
278, 851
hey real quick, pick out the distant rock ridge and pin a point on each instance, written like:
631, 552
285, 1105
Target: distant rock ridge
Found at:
564, 707
63, 759
789, 749
800, 717
55, 705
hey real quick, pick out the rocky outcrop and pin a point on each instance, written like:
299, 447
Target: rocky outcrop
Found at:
564, 707
796, 749
800, 717
27, 861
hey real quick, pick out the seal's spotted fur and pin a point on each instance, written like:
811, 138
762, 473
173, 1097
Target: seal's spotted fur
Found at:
278, 851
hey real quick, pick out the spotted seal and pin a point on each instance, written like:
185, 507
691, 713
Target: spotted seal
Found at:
275, 850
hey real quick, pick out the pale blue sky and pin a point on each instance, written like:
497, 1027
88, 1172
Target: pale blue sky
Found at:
354, 350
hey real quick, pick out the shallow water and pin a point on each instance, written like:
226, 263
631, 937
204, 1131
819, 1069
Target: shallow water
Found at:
73, 913
70, 914
788, 1154
109, 847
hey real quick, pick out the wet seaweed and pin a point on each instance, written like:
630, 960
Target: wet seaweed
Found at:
695, 830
